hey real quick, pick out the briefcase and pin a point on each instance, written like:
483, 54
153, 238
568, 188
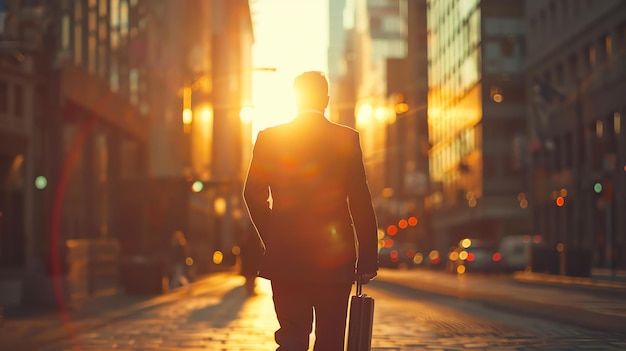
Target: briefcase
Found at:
361, 320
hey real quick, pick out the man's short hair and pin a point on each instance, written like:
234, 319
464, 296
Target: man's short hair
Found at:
311, 89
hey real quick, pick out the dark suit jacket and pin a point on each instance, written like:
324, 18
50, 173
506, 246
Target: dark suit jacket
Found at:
321, 209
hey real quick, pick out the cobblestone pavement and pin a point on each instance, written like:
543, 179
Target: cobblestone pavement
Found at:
223, 318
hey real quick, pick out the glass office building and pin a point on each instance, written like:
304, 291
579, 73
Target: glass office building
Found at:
475, 115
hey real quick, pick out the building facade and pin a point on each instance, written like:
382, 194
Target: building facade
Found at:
383, 94
475, 109
379, 35
576, 78
98, 158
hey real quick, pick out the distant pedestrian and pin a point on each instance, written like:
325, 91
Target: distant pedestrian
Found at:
251, 253
319, 229
179, 256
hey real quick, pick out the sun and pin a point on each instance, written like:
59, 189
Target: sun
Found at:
291, 37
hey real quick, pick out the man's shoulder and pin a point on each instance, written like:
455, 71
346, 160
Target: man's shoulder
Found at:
344, 128
292, 129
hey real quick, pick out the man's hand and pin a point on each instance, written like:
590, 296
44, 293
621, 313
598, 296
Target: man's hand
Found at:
366, 277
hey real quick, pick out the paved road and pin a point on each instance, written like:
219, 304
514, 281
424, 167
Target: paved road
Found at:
218, 316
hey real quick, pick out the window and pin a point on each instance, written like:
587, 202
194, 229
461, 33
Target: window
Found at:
78, 32
114, 77
608, 46
591, 57
124, 20
92, 25
103, 8
65, 32
375, 24
134, 86
507, 47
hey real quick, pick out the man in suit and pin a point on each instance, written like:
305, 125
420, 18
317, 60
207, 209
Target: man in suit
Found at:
308, 197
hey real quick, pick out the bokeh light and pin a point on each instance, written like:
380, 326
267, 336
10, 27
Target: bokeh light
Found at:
41, 182
218, 257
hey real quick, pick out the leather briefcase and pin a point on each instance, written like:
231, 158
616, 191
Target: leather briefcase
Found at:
361, 320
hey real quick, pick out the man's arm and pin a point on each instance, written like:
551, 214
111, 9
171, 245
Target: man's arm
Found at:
363, 216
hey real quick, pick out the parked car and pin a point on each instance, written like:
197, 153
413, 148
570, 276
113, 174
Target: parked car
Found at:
474, 255
516, 251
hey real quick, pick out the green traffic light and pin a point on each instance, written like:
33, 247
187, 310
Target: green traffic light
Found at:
597, 187
197, 186
41, 182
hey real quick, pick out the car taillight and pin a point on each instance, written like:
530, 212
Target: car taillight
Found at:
410, 253
394, 255
496, 257
470, 257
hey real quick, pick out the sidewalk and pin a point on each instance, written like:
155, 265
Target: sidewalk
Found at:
29, 328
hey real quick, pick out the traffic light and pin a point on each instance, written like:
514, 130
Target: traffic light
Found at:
597, 188
560, 201
41, 182
197, 186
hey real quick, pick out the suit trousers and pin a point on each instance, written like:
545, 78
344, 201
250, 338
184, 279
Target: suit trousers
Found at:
298, 303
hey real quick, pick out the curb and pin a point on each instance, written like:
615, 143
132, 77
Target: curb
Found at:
562, 280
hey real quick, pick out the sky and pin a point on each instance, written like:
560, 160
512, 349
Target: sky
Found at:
291, 36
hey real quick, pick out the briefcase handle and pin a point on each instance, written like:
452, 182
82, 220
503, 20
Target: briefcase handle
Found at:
359, 285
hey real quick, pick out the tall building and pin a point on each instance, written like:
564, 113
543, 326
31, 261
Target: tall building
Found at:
407, 143
475, 109
112, 109
378, 35
384, 90
576, 79
18, 94
337, 68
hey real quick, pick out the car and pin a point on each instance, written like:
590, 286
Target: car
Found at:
398, 255
516, 250
475, 255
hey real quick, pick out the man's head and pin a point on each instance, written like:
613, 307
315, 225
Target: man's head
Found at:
311, 90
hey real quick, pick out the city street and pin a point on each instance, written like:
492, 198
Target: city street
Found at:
217, 315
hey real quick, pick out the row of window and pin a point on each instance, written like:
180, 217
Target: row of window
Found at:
98, 34
604, 133
594, 55
557, 14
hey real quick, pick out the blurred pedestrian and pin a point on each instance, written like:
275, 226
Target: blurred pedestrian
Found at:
179, 256
307, 194
251, 253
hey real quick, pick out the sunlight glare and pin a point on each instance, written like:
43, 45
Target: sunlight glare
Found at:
291, 37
